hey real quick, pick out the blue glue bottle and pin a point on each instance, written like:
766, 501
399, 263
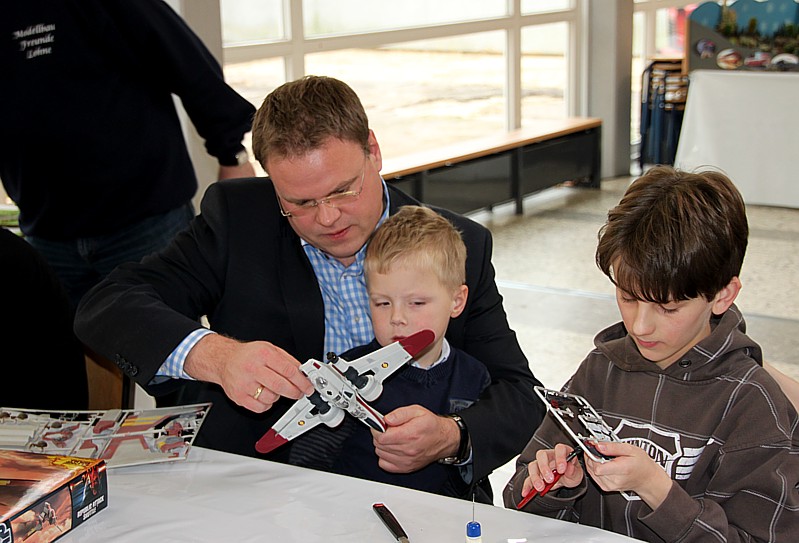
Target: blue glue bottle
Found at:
473, 532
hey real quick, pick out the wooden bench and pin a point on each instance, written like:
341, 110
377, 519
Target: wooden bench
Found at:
484, 172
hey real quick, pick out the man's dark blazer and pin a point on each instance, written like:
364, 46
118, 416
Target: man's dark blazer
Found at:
242, 266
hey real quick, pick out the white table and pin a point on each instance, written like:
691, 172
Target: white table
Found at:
745, 123
215, 497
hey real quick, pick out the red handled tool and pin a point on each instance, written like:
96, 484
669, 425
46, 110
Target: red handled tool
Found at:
530, 495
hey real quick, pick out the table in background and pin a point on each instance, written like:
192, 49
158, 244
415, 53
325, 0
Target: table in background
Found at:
745, 123
215, 496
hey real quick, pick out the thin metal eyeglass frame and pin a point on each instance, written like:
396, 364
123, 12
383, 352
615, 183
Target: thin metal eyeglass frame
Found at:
313, 205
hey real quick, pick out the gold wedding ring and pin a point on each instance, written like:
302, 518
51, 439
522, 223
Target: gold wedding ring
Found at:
258, 392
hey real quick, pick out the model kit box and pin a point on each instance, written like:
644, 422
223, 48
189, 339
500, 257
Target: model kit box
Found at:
43, 496
121, 437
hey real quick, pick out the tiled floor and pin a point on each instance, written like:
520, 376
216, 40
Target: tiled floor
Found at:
557, 299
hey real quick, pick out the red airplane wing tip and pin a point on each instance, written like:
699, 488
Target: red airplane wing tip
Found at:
417, 342
269, 442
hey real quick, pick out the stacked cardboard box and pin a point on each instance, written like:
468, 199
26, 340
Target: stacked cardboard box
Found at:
43, 496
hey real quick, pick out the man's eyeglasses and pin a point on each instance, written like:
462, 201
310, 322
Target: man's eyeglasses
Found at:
335, 200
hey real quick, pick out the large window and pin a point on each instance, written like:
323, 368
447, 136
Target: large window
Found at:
330, 18
252, 21
429, 73
543, 6
425, 93
545, 50
443, 70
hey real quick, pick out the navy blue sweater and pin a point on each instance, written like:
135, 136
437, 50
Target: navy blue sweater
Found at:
448, 387
90, 140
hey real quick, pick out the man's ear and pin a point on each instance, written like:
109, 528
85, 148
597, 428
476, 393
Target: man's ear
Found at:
726, 296
374, 151
459, 301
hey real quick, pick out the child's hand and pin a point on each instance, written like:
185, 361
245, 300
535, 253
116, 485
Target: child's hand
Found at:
546, 460
631, 469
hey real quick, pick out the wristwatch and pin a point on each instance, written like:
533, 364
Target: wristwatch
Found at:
465, 445
239, 159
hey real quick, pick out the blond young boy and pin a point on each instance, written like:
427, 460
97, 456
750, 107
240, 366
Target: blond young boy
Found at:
415, 270
709, 441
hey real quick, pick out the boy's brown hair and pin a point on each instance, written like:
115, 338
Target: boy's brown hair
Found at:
420, 237
299, 116
674, 236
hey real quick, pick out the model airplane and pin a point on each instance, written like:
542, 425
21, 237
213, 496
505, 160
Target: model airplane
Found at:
344, 387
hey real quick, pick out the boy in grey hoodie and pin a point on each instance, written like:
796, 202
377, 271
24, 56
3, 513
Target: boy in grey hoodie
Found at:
709, 441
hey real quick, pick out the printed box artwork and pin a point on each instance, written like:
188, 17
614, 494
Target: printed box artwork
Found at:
43, 496
122, 437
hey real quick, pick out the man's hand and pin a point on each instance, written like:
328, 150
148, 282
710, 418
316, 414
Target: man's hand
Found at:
242, 369
415, 438
631, 470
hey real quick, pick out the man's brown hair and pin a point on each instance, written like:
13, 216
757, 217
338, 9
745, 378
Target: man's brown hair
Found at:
300, 116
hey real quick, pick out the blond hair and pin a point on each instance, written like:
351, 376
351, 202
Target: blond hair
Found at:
420, 237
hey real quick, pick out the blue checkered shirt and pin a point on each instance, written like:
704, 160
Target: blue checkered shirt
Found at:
347, 321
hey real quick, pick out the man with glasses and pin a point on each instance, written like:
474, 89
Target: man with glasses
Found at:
276, 266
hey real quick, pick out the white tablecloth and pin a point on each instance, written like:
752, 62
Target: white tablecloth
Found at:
745, 123
219, 497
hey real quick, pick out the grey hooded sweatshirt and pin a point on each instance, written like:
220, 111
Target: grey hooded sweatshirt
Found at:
715, 421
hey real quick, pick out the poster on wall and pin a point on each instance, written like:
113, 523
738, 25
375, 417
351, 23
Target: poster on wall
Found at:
744, 35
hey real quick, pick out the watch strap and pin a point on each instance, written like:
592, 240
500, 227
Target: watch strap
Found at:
465, 442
